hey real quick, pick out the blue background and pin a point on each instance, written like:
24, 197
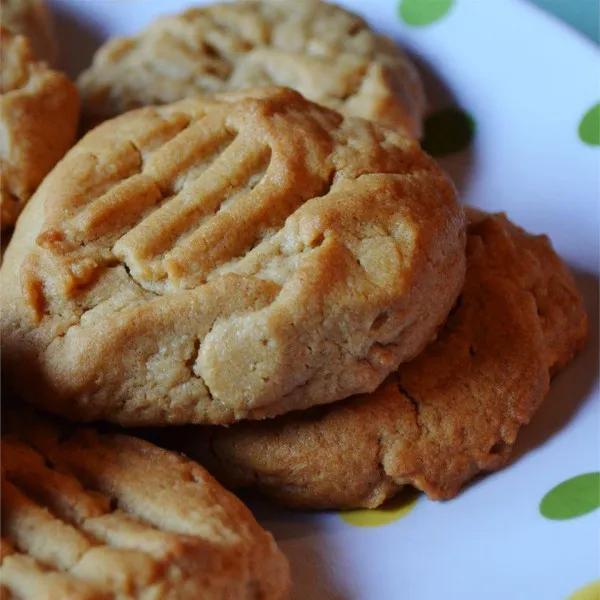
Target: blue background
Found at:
583, 15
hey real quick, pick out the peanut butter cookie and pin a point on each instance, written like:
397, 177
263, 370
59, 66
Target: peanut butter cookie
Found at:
438, 421
39, 113
326, 53
227, 258
89, 516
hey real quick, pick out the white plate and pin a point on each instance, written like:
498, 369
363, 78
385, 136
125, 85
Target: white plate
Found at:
527, 81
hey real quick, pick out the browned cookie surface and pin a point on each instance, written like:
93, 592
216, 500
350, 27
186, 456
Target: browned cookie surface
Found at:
32, 19
88, 516
214, 260
326, 53
439, 420
39, 113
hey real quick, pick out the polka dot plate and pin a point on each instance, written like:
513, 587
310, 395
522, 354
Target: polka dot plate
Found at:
515, 118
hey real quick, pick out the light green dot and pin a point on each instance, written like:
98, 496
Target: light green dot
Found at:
447, 132
572, 498
391, 511
589, 128
591, 591
424, 12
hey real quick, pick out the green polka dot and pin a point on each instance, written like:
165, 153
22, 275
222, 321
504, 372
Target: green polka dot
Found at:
591, 591
572, 498
391, 511
447, 132
424, 12
589, 128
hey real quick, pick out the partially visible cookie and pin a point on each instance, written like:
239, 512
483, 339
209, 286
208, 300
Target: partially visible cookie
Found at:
89, 516
227, 258
323, 51
32, 19
438, 421
39, 114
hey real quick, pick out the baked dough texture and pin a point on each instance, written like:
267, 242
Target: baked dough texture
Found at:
239, 257
88, 516
438, 421
39, 114
326, 53
32, 19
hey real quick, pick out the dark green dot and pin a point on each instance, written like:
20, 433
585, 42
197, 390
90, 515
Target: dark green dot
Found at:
572, 498
424, 12
448, 132
589, 128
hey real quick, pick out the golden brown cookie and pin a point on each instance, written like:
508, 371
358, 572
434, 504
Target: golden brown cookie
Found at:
39, 113
326, 53
89, 516
32, 19
233, 258
438, 421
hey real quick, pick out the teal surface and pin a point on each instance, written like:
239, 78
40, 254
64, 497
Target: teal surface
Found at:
583, 15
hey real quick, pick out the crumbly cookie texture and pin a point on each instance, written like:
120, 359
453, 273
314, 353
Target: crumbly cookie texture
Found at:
326, 53
214, 260
39, 114
32, 19
89, 516
438, 421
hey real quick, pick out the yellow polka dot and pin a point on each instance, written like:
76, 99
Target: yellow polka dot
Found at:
391, 511
591, 591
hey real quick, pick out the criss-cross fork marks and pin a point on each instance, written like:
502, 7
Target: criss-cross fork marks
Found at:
72, 530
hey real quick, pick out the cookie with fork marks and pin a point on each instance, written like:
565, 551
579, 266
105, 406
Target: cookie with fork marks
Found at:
328, 54
227, 258
90, 516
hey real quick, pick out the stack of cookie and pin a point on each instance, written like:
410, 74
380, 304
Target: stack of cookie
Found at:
300, 287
